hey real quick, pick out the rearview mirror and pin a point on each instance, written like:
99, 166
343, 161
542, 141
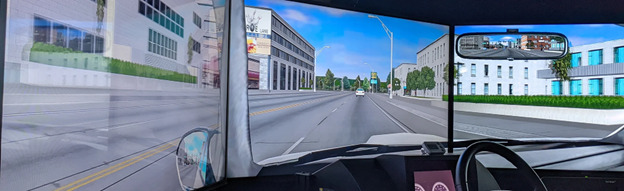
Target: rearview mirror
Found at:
510, 46
193, 161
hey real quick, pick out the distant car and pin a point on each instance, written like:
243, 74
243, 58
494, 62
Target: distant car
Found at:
359, 92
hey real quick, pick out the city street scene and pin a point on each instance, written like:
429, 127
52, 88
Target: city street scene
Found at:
525, 46
99, 99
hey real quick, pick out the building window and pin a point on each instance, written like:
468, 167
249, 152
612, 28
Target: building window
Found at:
486, 89
618, 55
619, 86
473, 88
499, 71
196, 46
486, 70
161, 14
526, 73
459, 88
595, 86
576, 60
510, 72
41, 30
274, 75
197, 20
499, 89
473, 70
526, 89
162, 45
556, 87
510, 89
595, 57
576, 87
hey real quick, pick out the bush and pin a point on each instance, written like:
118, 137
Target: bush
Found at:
115, 66
43, 47
591, 102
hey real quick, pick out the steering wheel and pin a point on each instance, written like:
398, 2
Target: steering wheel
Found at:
461, 170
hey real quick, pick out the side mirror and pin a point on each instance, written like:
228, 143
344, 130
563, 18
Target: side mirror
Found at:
512, 45
193, 159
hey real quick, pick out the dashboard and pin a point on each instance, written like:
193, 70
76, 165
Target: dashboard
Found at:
410, 170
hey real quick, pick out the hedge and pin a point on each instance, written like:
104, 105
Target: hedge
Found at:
590, 102
113, 65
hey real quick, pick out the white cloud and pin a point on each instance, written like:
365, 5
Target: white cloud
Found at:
298, 17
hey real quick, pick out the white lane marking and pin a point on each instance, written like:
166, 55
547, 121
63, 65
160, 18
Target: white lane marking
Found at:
391, 118
293, 146
334, 110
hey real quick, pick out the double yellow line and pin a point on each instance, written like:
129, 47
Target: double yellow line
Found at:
103, 173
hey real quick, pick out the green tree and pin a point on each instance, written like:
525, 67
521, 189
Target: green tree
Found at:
366, 84
412, 80
561, 66
346, 81
396, 84
427, 81
329, 78
358, 83
303, 83
100, 15
383, 87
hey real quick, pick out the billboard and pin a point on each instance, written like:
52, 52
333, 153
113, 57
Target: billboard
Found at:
257, 45
258, 21
258, 27
374, 75
374, 81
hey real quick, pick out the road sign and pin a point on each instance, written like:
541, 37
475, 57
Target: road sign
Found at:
373, 75
374, 81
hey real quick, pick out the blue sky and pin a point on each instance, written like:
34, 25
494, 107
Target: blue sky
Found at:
354, 38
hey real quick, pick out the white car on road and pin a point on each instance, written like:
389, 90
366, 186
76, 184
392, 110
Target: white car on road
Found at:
359, 92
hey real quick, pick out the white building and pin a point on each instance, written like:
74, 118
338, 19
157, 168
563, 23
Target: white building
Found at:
598, 69
435, 56
401, 71
499, 77
170, 35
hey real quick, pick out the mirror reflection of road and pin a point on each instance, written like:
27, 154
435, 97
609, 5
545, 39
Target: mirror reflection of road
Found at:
509, 53
90, 139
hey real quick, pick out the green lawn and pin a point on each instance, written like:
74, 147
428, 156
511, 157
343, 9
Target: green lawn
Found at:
591, 102
58, 56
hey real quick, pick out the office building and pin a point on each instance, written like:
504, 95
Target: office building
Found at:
176, 40
285, 59
436, 56
597, 69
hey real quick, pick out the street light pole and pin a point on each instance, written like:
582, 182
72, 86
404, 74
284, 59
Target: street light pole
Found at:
316, 55
391, 36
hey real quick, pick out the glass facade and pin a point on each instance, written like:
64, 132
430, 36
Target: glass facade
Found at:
619, 86
556, 87
595, 86
595, 57
64, 36
576, 87
499, 71
618, 55
500, 89
576, 59
162, 45
163, 15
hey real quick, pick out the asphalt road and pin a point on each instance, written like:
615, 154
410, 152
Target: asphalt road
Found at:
509, 53
125, 140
